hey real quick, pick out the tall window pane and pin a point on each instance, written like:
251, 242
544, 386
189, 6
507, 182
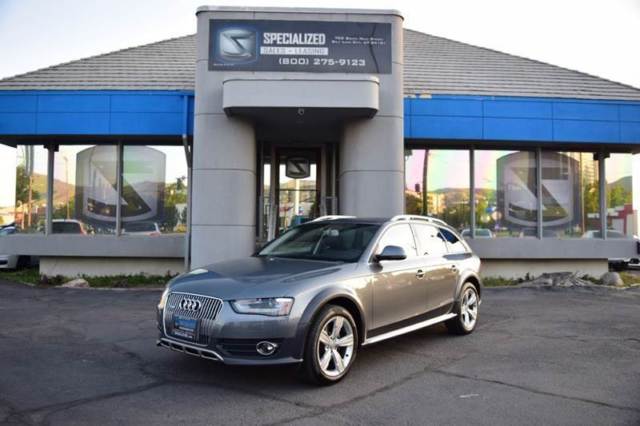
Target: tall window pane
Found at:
620, 223
445, 175
30, 188
506, 194
7, 185
154, 192
85, 189
570, 195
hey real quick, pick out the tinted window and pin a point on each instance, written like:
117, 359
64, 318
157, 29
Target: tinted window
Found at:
140, 227
453, 243
401, 236
336, 241
66, 228
431, 241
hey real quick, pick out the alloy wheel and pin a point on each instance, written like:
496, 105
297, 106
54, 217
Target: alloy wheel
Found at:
469, 311
335, 346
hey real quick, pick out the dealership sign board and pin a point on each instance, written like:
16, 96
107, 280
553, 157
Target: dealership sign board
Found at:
142, 185
306, 46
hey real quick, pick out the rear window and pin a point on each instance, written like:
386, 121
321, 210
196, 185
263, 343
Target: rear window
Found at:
453, 243
431, 241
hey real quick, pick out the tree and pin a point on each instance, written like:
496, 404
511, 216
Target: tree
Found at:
413, 203
170, 217
617, 196
22, 185
174, 194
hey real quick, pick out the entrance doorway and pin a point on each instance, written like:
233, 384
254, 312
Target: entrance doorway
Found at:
296, 184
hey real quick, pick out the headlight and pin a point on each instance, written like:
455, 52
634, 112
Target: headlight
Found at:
273, 306
163, 298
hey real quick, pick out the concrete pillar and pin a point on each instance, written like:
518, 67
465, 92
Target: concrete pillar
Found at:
372, 168
371, 171
224, 169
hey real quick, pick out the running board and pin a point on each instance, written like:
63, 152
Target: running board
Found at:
408, 329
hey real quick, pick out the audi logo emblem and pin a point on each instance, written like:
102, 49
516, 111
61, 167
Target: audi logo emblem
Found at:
190, 304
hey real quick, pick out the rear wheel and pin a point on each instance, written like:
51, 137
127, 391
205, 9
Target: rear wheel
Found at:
23, 262
467, 312
331, 347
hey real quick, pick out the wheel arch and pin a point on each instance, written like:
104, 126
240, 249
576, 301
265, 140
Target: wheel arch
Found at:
469, 277
332, 296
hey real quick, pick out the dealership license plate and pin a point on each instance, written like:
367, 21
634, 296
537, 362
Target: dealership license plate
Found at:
186, 328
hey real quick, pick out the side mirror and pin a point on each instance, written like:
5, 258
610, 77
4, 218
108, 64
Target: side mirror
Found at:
391, 253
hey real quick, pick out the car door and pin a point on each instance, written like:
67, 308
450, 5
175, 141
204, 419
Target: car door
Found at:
439, 275
457, 252
397, 291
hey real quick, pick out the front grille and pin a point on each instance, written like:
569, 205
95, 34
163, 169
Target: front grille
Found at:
206, 314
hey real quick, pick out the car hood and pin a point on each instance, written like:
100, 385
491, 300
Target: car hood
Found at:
252, 277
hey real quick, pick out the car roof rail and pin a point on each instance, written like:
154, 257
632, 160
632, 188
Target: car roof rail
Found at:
332, 217
417, 217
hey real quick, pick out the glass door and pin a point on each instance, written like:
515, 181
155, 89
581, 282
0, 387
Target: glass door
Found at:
295, 185
298, 190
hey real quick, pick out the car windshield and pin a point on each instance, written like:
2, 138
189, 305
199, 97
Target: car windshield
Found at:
343, 242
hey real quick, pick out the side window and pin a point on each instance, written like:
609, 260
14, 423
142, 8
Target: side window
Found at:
431, 241
453, 243
401, 236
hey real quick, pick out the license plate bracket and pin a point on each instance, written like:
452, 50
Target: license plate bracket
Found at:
185, 328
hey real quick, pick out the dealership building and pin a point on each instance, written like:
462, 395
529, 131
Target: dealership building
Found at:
195, 149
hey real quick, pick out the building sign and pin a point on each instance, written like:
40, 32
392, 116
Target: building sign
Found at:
308, 46
517, 194
298, 167
142, 186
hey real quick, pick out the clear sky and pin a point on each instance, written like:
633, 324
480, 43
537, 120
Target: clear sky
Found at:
599, 37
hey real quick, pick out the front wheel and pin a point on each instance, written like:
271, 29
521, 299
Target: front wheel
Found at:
331, 346
467, 312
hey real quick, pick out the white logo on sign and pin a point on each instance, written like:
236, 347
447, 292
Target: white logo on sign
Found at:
237, 44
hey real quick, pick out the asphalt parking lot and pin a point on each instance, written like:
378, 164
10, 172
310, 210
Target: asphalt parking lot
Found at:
561, 356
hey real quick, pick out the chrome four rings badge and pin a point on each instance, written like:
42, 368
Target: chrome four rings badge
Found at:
191, 305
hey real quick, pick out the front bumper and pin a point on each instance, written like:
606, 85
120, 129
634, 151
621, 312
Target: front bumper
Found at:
232, 338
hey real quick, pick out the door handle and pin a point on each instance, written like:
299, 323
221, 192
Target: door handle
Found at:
420, 274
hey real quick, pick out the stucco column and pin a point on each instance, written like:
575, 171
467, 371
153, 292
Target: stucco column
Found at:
372, 150
372, 168
224, 169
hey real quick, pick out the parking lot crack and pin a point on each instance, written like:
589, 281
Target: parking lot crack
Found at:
48, 410
536, 391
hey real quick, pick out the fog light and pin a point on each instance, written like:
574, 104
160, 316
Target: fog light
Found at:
265, 348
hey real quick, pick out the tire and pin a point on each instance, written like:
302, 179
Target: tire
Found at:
323, 347
467, 311
23, 262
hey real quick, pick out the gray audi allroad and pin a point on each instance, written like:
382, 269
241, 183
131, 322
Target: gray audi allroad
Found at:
322, 290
